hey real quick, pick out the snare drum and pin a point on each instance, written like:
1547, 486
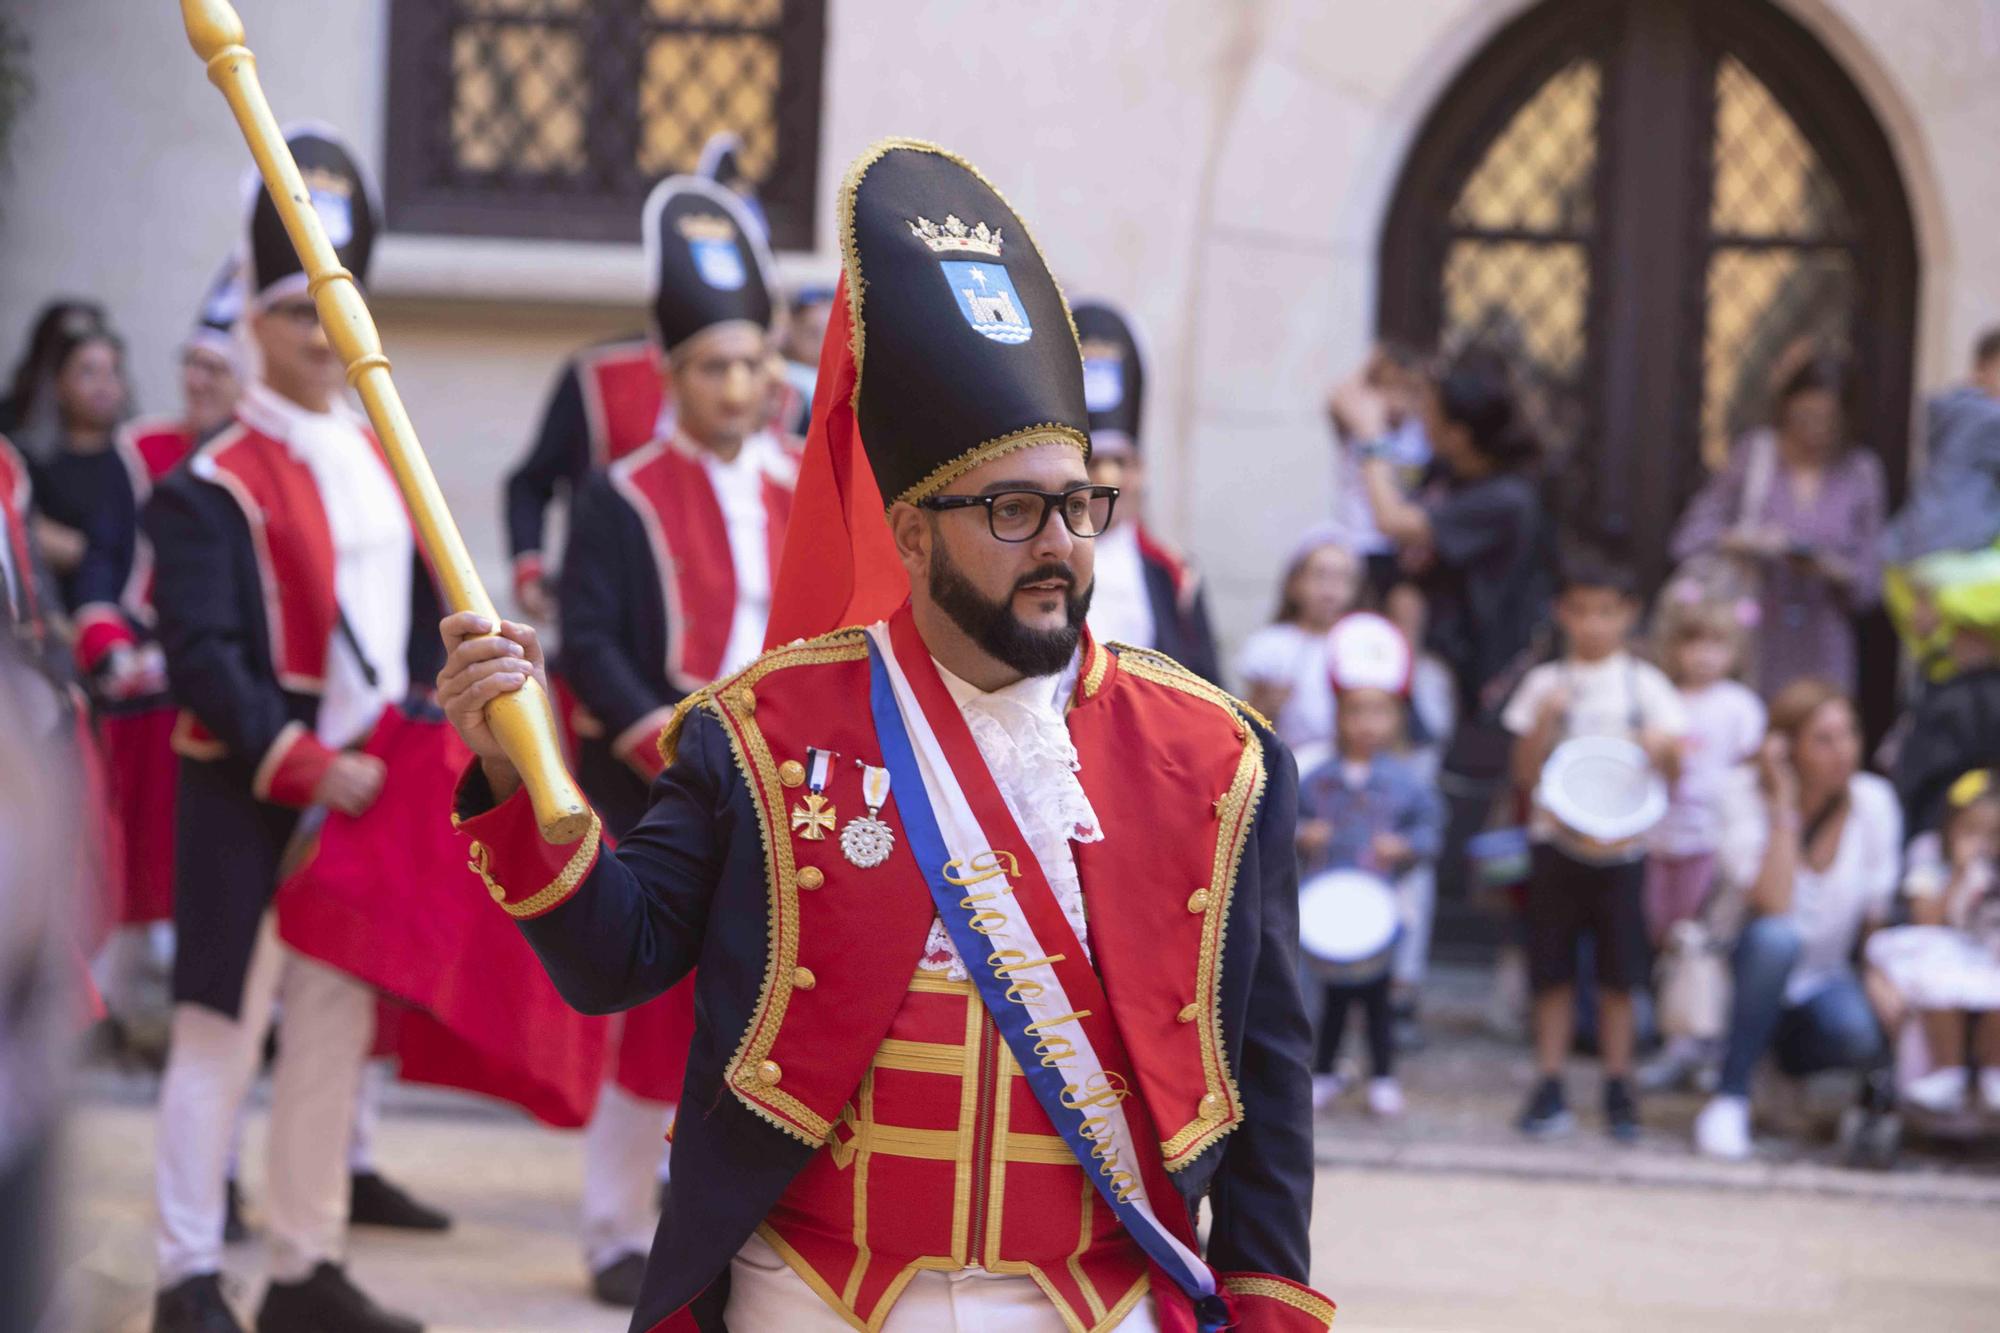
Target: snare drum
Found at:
1605, 797
1348, 924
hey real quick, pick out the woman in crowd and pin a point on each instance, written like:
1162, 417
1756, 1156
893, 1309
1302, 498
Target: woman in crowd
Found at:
85, 516
1800, 512
1813, 847
1283, 666
1480, 547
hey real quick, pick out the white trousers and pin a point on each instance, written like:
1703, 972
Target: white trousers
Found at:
327, 1027
621, 1175
765, 1293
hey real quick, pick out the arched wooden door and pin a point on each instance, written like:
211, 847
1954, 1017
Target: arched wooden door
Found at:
1643, 202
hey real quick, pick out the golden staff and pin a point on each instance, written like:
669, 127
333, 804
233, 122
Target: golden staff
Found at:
521, 720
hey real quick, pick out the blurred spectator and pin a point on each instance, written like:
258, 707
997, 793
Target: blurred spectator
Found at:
85, 517
1701, 644
1283, 665
1397, 372
1943, 549
1801, 511
59, 324
1579, 887
799, 349
1366, 809
1955, 726
1812, 847
1431, 717
1944, 967
1480, 547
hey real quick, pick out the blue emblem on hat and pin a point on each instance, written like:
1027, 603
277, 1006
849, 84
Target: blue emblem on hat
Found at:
1103, 383
987, 299
719, 262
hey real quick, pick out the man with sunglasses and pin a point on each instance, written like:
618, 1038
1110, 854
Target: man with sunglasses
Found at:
292, 608
996, 928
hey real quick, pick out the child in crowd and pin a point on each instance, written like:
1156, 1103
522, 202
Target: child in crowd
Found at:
1944, 969
1580, 889
1701, 647
1283, 665
1366, 809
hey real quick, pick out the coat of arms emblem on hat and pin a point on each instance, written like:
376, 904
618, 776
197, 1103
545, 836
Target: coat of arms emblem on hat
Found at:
984, 292
332, 199
717, 258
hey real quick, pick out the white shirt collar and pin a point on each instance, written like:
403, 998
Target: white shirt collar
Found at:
268, 412
1049, 695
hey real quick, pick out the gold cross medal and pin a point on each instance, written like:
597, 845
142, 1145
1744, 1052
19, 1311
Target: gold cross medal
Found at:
867, 841
815, 818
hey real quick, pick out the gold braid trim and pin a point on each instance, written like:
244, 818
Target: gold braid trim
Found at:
1283, 1292
558, 889
1028, 437
760, 774
857, 285
670, 735
1235, 817
1094, 674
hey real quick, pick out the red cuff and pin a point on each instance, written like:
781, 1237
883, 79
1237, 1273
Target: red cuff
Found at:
527, 569
527, 875
290, 770
1266, 1304
639, 744
100, 627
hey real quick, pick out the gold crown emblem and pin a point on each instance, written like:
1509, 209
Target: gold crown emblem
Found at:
706, 227
954, 235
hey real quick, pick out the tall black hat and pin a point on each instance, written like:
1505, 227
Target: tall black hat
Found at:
708, 258
221, 306
1114, 376
340, 196
962, 343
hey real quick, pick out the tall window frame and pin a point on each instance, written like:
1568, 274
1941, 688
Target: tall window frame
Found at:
1637, 434
551, 119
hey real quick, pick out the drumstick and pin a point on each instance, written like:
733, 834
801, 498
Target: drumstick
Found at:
522, 720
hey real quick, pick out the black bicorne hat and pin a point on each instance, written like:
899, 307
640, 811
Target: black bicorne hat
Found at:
1114, 376
708, 258
963, 345
340, 196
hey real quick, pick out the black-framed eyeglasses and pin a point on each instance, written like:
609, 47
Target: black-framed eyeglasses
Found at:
1020, 516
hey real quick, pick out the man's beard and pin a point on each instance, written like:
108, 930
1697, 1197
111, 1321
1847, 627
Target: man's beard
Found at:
994, 626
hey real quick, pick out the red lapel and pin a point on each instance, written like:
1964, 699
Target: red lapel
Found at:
14, 495
293, 544
623, 391
670, 489
1174, 781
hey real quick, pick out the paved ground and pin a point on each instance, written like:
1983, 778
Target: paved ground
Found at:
1443, 1221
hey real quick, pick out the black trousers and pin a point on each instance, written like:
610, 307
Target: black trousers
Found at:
1336, 999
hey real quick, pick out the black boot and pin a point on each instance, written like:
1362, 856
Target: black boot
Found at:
327, 1302
617, 1283
375, 1202
194, 1305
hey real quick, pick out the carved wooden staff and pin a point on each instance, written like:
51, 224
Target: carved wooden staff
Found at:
522, 720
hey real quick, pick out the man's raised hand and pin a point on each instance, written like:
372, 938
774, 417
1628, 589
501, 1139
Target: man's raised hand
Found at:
479, 667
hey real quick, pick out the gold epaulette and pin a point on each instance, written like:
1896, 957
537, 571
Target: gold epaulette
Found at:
1154, 665
836, 645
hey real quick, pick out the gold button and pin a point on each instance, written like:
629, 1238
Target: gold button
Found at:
1198, 901
803, 979
768, 1074
811, 877
791, 772
743, 699
1188, 1013
1211, 1105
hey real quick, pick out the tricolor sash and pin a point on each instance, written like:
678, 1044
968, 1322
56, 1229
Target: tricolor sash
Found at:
1024, 958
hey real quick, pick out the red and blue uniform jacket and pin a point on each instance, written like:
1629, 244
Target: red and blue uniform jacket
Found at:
245, 610
803, 962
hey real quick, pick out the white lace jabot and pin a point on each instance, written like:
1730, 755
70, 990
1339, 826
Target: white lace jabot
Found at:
1022, 736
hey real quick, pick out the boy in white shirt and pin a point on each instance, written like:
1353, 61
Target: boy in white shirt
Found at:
1580, 888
